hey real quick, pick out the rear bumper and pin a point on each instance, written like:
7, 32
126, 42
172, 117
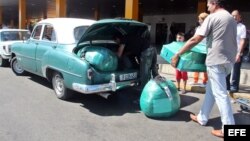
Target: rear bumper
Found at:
112, 86
5, 56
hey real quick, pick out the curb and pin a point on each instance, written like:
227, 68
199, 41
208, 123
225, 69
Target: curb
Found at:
199, 89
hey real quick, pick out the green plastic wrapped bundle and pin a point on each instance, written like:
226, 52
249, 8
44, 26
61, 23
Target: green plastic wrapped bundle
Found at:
191, 61
100, 58
159, 98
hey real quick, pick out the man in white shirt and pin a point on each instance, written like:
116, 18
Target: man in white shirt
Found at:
241, 38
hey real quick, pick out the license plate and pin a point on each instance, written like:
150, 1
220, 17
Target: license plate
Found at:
128, 76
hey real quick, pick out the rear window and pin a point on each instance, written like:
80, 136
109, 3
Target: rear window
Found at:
79, 31
14, 35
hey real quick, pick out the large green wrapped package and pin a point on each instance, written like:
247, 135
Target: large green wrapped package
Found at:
159, 98
100, 58
191, 61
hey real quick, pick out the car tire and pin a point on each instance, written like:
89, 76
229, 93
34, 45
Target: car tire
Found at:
3, 62
16, 68
59, 88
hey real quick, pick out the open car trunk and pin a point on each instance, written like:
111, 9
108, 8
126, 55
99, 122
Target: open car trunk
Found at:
98, 48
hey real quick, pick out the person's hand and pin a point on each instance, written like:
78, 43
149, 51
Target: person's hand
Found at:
175, 60
238, 58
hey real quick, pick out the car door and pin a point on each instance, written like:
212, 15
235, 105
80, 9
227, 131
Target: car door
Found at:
28, 57
45, 47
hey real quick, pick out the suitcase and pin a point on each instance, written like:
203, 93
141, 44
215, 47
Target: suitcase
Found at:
191, 61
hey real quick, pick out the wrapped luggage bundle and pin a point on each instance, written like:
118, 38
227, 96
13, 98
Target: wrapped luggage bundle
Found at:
100, 58
159, 98
191, 61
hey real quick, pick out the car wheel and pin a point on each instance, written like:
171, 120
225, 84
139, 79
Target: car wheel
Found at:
58, 85
16, 68
3, 62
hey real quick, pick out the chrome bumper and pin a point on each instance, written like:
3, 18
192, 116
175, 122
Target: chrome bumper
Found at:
5, 56
111, 86
89, 89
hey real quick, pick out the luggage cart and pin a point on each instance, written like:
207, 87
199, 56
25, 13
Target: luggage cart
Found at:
244, 103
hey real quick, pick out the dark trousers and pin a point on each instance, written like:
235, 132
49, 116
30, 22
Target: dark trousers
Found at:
148, 65
234, 84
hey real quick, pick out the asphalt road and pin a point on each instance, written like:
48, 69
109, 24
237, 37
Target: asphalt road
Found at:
30, 111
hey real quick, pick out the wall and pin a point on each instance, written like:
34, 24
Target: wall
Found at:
246, 19
189, 19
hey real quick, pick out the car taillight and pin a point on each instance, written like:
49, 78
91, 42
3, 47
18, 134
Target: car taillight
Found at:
90, 74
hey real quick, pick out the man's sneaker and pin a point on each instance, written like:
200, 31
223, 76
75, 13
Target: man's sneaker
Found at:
234, 90
193, 83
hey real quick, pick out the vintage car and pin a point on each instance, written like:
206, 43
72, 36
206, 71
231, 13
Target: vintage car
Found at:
80, 55
7, 38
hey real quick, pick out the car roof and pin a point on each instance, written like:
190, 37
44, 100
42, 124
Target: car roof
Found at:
64, 27
119, 20
68, 21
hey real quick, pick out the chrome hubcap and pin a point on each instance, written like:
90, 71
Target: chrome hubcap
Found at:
17, 67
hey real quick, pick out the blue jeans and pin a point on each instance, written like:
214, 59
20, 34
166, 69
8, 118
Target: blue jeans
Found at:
148, 65
234, 85
216, 91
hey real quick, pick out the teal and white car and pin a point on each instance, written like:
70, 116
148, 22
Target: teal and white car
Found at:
7, 38
80, 55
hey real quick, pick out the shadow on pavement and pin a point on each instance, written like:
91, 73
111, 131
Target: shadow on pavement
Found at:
187, 100
120, 103
40, 80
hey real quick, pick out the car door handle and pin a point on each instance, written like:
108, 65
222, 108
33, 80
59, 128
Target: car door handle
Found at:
53, 46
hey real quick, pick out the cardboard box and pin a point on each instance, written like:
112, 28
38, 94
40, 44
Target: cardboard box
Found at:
191, 61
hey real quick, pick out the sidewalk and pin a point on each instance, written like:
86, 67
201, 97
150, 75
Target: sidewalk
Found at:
168, 71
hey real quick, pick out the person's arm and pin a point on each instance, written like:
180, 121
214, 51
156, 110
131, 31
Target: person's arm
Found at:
120, 50
187, 46
241, 49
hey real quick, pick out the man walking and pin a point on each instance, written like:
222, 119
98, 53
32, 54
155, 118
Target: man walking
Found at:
220, 30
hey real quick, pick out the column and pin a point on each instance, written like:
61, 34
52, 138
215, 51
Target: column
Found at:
97, 12
1, 15
131, 9
60, 8
22, 13
202, 6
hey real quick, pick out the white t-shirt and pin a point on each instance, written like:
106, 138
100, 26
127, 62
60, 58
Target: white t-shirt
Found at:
241, 33
220, 28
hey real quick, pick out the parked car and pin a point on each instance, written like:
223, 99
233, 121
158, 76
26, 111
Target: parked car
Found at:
7, 38
80, 55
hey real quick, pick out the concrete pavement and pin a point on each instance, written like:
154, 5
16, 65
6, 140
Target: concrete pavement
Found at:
168, 71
